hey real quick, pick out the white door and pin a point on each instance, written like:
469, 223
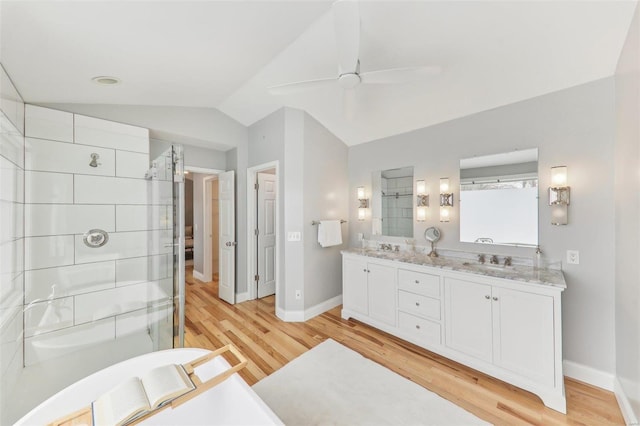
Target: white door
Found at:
469, 318
266, 234
227, 283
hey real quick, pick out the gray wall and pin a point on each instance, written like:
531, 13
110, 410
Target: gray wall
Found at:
194, 156
198, 222
326, 196
573, 127
627, 244
237, 161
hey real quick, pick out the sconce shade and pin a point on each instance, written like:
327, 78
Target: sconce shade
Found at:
361, 214
421, 214
360, 192
363, 203
421, 187
444, 214
559, 214
444, 185
559, 176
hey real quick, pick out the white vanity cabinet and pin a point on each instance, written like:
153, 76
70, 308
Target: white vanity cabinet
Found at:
508, 328
372, 289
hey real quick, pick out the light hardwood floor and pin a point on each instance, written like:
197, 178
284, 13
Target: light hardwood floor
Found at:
269, 344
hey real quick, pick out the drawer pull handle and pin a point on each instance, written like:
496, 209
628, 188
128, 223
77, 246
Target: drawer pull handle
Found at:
487, 297
417, 281
495, 298
418, 326
417, 303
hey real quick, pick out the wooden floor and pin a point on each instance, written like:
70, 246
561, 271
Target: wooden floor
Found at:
269, 344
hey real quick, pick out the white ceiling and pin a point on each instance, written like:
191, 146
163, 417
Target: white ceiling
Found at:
224, 54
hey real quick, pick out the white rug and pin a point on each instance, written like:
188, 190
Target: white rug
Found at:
333, 385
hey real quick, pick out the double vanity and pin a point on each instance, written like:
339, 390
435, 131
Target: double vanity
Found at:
504, 321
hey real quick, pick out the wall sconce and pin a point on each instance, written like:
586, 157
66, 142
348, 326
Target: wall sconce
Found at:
559, 195
446, 200
364, 203
422, 201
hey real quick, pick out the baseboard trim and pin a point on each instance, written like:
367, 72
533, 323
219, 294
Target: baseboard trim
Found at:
624, 403
242, 297
323, 307
290, 316
198, 275
589, 375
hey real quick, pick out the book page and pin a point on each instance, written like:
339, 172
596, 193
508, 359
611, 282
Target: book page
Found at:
166, 383
121, 404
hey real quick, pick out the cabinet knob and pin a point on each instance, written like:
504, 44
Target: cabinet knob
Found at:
487, 297
417, 281
418, 326
495, 298
417, 303
364, 270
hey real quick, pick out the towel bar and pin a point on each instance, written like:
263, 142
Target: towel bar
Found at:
316, 222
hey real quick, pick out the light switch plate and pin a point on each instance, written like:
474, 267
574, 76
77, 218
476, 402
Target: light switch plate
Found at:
573, 257
293, 236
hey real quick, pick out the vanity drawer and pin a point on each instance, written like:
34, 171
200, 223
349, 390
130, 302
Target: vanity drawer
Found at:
419, 305
419, 283
421, 329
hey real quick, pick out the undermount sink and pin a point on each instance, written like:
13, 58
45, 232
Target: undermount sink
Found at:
485, 266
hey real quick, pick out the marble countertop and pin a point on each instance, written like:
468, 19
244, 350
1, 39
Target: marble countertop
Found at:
550, 277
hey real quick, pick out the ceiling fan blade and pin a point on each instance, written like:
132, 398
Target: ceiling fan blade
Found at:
399, 75
346, 21
290, 88
349, 103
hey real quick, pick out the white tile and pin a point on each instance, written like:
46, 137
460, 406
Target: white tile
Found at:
11, 291
123, 245
103, 190
11, 221
140, 218
68, 280
47, 252
57, 219
11, 141
142, 269
49, 156
10, 336
96, 132
11, 181
43, 317
49, 188
11, 103
47, 123
131, 164
11, 265
121, 300
140, 321
62, 342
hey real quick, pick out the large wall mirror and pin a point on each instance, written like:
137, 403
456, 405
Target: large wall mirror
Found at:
499, 198
392, 202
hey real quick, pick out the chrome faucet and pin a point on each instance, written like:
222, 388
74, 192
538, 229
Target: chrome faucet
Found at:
494, 260
396, 248
507, 261
481, 258
385, 247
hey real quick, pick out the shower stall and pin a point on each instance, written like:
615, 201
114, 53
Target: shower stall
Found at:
96, 274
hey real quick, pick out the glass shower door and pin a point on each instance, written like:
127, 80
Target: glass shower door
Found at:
166, 200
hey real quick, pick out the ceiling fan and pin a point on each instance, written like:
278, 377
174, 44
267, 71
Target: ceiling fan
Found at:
346, 17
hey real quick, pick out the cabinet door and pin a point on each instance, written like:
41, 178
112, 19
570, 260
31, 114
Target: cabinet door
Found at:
524, 334
354, 286
469, 324
382, 293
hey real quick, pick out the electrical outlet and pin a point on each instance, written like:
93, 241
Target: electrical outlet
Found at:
293, 236
298, 294
573, 257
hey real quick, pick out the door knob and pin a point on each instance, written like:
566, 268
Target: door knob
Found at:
230, 243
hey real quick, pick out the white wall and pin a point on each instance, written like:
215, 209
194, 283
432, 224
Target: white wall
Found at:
627, 215
11, 239
573, 127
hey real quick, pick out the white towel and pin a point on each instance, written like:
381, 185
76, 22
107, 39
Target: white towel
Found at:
329, 233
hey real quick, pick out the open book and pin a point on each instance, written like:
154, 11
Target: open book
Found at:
138, 395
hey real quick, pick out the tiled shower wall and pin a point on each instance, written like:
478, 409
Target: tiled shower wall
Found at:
11, 237
397, 206
74, 295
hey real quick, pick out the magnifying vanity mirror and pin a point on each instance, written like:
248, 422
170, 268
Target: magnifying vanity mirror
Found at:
432, 235
392, 202
499, 198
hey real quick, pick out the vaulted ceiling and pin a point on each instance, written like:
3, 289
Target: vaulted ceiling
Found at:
224, 55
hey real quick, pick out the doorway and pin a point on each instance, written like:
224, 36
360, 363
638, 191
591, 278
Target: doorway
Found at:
263, 226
